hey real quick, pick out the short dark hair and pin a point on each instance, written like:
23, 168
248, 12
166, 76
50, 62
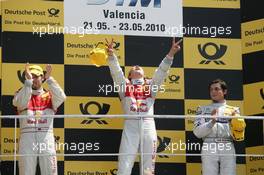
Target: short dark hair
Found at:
221, 82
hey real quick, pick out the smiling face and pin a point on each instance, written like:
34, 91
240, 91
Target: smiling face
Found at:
217, 94
136, 72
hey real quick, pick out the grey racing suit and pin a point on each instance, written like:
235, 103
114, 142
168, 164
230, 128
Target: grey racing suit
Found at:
36, 132
137, 103
217, 139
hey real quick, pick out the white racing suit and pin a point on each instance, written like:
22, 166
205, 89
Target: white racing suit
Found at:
36, 132
138, 103
217, 139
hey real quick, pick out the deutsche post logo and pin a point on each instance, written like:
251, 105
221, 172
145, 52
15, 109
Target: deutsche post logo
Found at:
113, 171
163, 144
219, 52
57, 139
102, 109
262, 95
174, 79
53, 12
116, 45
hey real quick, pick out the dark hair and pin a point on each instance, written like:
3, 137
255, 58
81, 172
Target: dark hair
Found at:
128, 77
222, 84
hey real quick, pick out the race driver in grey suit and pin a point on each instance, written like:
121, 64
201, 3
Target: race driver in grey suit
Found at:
216, 132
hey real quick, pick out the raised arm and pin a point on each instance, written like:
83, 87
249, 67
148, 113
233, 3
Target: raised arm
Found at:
58, 95
23, 96
115, 69
162, 71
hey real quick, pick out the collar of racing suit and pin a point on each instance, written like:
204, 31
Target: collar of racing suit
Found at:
38, 91
219, 104
138, 81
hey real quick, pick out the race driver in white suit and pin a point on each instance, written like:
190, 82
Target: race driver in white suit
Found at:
137, 96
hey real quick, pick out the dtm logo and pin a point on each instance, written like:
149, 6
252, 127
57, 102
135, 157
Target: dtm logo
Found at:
21, 76
262, 95
101, 110
219, 52
163, 144
144, 3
